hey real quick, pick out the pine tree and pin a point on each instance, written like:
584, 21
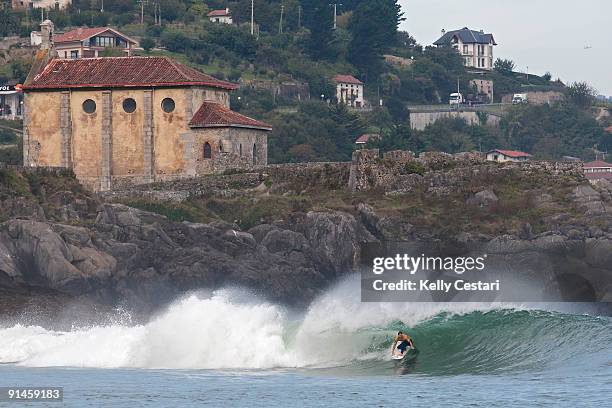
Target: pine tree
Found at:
319, 19
374, 29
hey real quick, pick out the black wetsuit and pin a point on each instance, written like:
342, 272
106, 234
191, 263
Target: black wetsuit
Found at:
403, 346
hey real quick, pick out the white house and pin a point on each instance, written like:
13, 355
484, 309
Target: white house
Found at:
475, 47
220, 16
349, 90
37, 4
90, 42
366, 137
502, 156
598, 169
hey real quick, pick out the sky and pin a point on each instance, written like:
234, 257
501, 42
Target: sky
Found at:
544, 35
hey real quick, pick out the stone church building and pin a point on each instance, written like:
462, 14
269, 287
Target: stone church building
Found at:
118, 121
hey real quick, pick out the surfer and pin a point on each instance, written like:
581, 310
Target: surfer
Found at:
404, 341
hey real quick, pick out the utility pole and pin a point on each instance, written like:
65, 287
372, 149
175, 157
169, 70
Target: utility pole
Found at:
102, 6
280, 23
252, 17
157, 12
142, 4
299, 16
335, 5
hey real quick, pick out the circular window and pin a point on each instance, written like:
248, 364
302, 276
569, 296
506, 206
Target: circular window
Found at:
168, 105
89, 106
129, 105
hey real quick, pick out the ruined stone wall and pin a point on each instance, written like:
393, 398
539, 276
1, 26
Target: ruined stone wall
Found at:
436, 172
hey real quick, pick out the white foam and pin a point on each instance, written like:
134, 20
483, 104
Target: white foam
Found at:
229, 329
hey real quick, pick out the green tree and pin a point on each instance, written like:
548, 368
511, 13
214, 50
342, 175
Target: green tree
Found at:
319, 20
9, 22
581, 94
374, 29
147, 44
504, 66
20, 69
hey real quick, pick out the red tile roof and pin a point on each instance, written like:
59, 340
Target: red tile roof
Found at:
597, 163
219, 13
120, 72
363, 139
347, 79
212, 114
511, 153
80, 34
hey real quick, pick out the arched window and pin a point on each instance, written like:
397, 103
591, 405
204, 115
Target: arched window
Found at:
254, 154
220, 146
240, 149
207, 151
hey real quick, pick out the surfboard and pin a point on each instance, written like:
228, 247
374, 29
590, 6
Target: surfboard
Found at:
409, 354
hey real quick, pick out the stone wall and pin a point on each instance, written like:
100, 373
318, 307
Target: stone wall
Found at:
436, 172
420, 120
537, 97
293, 177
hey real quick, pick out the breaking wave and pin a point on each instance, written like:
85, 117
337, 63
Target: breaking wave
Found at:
233, 330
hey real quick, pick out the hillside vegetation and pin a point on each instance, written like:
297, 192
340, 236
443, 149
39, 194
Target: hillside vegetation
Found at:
305, 48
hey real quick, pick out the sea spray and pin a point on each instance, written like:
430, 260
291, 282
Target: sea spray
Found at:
232, 329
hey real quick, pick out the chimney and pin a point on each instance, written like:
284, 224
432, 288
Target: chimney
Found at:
46, 35
481, 31
443, 31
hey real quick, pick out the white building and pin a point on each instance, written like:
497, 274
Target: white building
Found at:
37, 4
349, 90
475, 47
502, 156
221, 16
11, 101
597, 170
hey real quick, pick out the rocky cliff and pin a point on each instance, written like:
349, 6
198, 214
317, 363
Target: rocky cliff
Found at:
288, 234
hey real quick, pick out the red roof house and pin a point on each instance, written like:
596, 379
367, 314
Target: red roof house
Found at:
347, 79
366, 137
220, 16
597, 170
500, 155
90, 42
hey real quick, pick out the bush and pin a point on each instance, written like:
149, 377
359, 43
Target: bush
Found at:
414, 167
147, 44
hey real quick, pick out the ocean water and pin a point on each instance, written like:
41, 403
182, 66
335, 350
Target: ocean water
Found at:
230, 348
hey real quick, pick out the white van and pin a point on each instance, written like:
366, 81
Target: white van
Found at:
518, 99
455, 99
